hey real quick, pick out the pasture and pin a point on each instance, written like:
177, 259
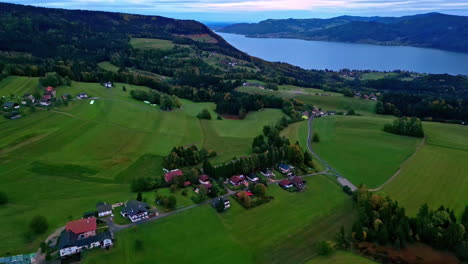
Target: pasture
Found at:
60, 163
292, 222
18, 86
106, 65
437, 174
358, 148
146, 43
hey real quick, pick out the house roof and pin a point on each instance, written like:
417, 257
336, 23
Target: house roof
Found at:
247, 192
285, 182
285, 166
70, 239
170, 175
8, 104
134, 207
236, 178
187, 183
297, 180
204, 177
82, 225
47, 96
103, 207
207, 186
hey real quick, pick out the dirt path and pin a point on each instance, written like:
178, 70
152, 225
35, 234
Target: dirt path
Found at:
420, 146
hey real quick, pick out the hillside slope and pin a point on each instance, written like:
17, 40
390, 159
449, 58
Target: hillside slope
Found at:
432, 30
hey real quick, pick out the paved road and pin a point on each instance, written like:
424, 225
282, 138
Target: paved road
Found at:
341, 179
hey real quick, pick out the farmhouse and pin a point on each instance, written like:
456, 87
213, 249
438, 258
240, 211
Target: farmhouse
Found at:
49, 90
204, 179
237, 180
285, 169
82, 96
285, 184
169, 176
221, 202
71, 244
253, 177
298, 182
44, 102
28, 97
267, 173
83, 228
104, 209
10, 106
135, 210
246, 192
107, 84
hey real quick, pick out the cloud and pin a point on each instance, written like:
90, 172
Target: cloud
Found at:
254, 5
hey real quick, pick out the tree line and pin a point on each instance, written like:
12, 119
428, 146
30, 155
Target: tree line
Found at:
407, 126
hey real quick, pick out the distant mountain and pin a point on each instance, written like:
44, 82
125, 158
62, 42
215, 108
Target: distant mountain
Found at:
432, 30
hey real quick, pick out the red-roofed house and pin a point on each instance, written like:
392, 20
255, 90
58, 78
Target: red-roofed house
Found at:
204, 179
169, 177
83, 227
246, 192
285, 184
298, 181
50, 91
237, 180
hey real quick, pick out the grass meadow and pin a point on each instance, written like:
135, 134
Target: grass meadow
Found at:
292, 222
60, 163
106, 65
359, 149
438, 173
145, 43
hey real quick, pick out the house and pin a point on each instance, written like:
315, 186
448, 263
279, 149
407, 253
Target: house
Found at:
71, 244
187, 183
45, 102
28, 97
285, 169
82, 96
207, 187
246, 192
267, 173
204, 179
49, 90
82, 228
19, 259
47, 97
285, 184
221, 202
13, 115
107, 84
298, 182
135, 210
331, 113
237, 180
10, 106
253, 177
104, 209
169, 176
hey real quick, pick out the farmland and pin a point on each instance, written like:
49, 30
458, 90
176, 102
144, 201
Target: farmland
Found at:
359, 149
238, 235
144, 43
60, 163
440, 166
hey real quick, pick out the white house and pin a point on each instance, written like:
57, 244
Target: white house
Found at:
135, 210
104, 209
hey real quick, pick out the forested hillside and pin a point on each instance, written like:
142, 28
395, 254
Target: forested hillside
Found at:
432, 30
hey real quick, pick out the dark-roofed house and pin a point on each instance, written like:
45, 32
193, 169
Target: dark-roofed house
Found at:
253, 177
298, 182
285, 184
221, 203
237, 180
82, 96
204, 179
135, 210
104, 209
169, 176
71, 244
285, 169
10, 106
267, 173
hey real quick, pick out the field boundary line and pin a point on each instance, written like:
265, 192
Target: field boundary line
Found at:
420, 146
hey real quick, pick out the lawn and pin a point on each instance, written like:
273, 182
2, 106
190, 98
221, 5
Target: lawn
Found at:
60, 163
341, 257
108, 66
145, 43
18, 86
440, 168
266, 234
377, 75
358, 148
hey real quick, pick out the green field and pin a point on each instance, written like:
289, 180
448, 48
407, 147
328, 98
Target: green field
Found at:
60, 163
108, 66
13, 85
358, 148
341, 257
377, 75
145, 43
438, 173
283, 231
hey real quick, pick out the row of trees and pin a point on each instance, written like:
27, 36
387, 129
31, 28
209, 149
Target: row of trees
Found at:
186, 156
165, 101
384, 221
408, 126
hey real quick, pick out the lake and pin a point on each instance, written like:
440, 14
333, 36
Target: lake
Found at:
337, 55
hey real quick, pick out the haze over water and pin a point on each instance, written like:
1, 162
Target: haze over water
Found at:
336, 55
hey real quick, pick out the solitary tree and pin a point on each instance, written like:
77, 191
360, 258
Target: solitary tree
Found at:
38, 224
259, 189
3, 198
316, 138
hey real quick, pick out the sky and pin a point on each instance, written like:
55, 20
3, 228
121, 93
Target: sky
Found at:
257, 10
